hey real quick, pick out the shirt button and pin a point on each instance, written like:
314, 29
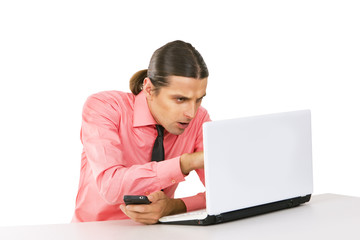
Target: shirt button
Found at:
173, 181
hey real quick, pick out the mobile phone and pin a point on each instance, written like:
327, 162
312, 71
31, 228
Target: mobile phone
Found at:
136, 199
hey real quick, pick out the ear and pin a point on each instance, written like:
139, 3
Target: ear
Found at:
148, 87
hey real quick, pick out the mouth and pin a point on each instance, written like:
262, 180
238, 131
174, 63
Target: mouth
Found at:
183, 125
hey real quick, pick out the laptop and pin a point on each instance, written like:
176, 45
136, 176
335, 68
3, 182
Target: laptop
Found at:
253, 165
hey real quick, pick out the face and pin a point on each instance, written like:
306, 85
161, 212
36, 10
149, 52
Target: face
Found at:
175, 105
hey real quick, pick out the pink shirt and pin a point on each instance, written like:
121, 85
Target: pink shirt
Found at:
118, 133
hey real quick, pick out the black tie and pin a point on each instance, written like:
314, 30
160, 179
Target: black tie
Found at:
158, 153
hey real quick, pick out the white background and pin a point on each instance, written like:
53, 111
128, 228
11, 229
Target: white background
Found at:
263, 57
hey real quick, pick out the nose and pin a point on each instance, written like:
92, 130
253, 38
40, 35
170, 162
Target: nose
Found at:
190, 111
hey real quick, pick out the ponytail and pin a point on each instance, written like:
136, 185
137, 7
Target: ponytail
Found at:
136, 81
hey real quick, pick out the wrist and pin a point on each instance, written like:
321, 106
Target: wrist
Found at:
176, 206
185, 164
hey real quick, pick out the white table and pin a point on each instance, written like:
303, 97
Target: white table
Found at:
326, 216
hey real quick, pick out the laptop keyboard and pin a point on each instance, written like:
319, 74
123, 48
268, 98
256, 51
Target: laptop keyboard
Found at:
194, 215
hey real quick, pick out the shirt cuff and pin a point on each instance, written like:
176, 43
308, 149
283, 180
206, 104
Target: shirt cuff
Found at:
169, 172
196, 202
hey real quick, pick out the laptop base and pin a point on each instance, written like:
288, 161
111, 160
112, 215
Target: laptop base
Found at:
244, 213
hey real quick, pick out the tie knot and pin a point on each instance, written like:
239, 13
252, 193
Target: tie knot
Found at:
160, 130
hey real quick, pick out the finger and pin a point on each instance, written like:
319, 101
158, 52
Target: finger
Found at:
142, 217
140, 208
123, 208
146, 211
128, 212
147, 221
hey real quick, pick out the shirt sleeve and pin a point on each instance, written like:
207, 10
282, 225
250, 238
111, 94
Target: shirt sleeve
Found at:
198, 201
113, 174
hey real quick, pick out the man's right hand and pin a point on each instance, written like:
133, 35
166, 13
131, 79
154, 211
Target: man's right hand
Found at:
191, 161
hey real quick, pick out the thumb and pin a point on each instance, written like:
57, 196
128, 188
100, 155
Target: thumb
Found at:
156, 196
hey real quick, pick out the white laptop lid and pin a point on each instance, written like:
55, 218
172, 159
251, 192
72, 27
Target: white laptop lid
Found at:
257, 160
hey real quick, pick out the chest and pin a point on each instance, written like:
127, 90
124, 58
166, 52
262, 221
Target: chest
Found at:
138, 142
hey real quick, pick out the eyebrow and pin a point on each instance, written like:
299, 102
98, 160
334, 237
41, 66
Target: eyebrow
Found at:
187, 98
202, 96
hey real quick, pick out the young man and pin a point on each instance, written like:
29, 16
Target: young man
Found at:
145, 142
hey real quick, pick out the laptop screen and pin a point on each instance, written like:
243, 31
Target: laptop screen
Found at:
257, 160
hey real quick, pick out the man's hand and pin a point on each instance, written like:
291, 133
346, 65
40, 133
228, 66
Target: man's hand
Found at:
191, 161
160, 206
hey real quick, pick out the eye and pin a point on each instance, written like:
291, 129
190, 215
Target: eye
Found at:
180, 99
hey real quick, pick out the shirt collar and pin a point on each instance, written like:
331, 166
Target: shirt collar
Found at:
142, 114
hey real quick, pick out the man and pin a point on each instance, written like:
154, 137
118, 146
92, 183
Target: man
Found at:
121, 133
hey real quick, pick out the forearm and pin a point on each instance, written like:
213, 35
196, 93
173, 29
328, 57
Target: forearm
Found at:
138, 179
194, 203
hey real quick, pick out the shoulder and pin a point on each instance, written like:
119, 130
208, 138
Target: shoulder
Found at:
110, 98
202, 115
195, 128
111, 104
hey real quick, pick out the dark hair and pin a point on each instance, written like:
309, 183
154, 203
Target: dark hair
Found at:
176, 58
